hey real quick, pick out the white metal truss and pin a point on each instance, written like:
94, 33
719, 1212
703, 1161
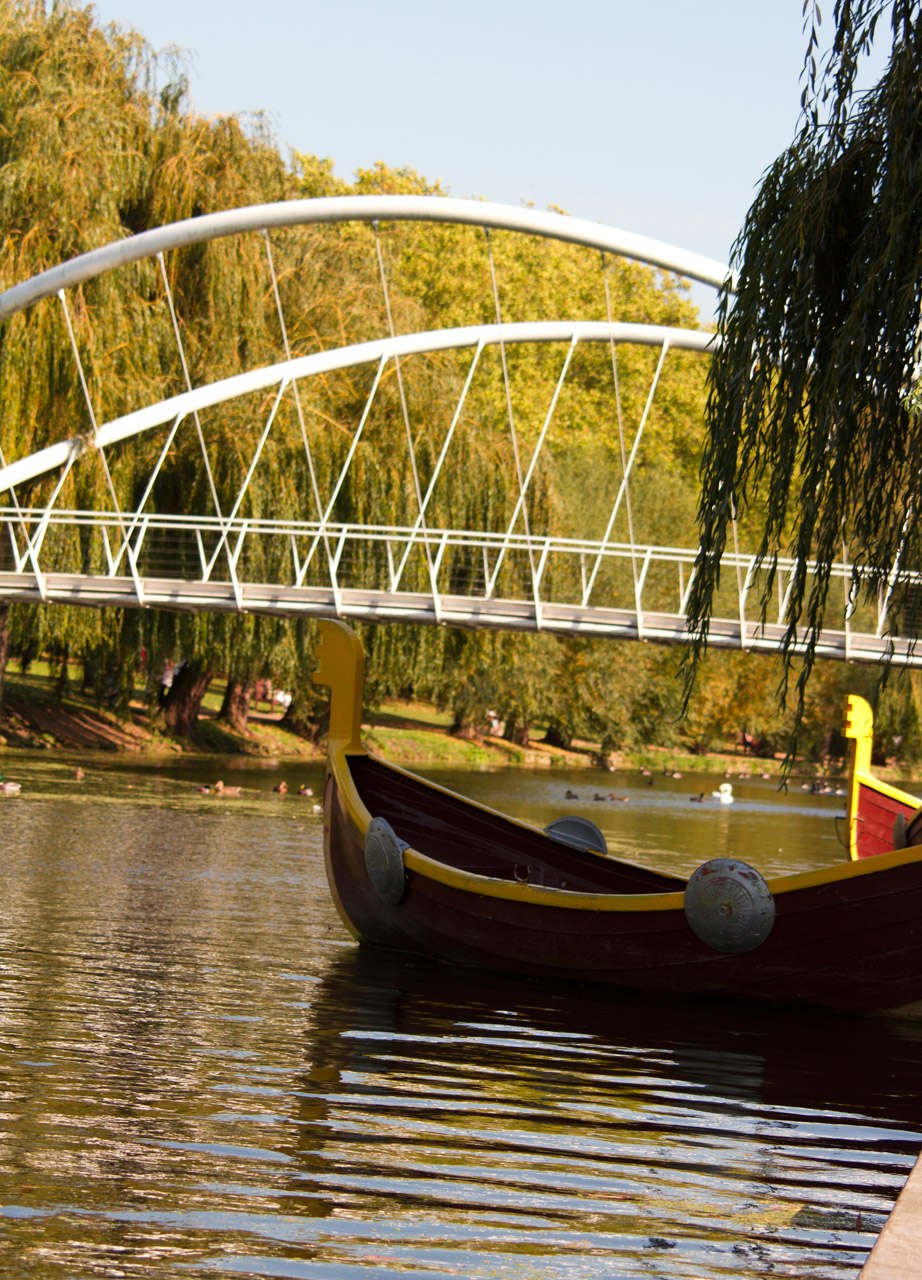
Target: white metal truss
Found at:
559, 584
331, 209
380, 350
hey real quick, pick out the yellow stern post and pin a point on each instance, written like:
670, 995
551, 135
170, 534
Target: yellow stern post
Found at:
341, 667
859, 726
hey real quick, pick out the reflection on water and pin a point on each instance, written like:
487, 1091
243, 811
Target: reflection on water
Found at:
201, 1072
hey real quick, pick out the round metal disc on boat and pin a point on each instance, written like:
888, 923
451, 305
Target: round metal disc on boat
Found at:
578, 833
384, 861
729, 905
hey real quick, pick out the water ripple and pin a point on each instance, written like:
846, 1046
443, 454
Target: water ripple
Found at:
200, 1073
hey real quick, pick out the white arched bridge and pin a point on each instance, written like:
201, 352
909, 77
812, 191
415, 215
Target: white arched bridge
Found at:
528, 568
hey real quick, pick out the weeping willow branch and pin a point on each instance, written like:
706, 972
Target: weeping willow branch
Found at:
813, 426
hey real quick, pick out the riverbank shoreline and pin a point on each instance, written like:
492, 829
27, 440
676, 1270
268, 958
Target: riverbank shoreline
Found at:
406, 733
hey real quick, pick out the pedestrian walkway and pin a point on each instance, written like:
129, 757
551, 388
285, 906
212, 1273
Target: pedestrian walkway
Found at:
897, 1255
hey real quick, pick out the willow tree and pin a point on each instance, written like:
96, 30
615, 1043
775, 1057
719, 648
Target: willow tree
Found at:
97, 142
813, 420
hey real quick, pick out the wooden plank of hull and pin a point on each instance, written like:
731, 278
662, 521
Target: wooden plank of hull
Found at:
895, 1256
852, 944
877, 811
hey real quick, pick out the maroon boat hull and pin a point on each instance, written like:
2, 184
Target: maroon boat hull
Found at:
414, 867
854, 943
877, 813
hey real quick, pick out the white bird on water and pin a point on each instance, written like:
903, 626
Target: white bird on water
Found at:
724, 793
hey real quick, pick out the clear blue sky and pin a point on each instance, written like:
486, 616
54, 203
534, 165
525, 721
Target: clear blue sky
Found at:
655, 117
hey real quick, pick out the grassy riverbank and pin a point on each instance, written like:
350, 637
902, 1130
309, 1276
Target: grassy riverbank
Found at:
39, 716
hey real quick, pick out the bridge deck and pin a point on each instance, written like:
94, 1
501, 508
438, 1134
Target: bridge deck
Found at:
368, 605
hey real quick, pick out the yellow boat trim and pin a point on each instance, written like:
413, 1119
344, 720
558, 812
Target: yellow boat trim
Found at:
341, 667
509, 891
859, 726
513, 891
885, 789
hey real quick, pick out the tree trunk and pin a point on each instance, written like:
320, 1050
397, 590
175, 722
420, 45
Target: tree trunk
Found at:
515, 732
184, 701
236, 704
469, 732
4, 645
308, 713
62, 683
556, 737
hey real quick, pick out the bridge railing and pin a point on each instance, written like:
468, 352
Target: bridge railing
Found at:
386, 573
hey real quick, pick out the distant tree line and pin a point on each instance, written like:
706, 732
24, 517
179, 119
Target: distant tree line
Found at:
98, 141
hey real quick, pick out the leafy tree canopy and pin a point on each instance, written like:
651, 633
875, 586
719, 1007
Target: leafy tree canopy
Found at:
98, 141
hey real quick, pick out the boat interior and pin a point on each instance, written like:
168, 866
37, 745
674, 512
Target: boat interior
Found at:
470, 838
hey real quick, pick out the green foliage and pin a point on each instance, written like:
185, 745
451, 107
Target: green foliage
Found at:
813, 424
97, 142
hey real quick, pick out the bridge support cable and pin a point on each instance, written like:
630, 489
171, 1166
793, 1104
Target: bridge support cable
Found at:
185, 369
311, 470
491, 582
520, 504
344, 471
136, 514
741, 589
36, 540
397, 575
100, 451
617, 390
624, 483
793, 573
417, 487
894, 574
686, 590
848, 602
19, 560
744, 590
639, 585
268, 377
222, 541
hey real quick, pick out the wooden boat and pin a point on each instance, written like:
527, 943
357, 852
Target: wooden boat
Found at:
415, 867
880, 817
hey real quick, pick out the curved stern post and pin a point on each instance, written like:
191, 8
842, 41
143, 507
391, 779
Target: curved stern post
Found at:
859, 726
341, 667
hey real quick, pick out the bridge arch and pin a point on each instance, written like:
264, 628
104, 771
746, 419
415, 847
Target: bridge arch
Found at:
219, 586
372, 208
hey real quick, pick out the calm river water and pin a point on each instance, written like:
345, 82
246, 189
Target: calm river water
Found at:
202, 1074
